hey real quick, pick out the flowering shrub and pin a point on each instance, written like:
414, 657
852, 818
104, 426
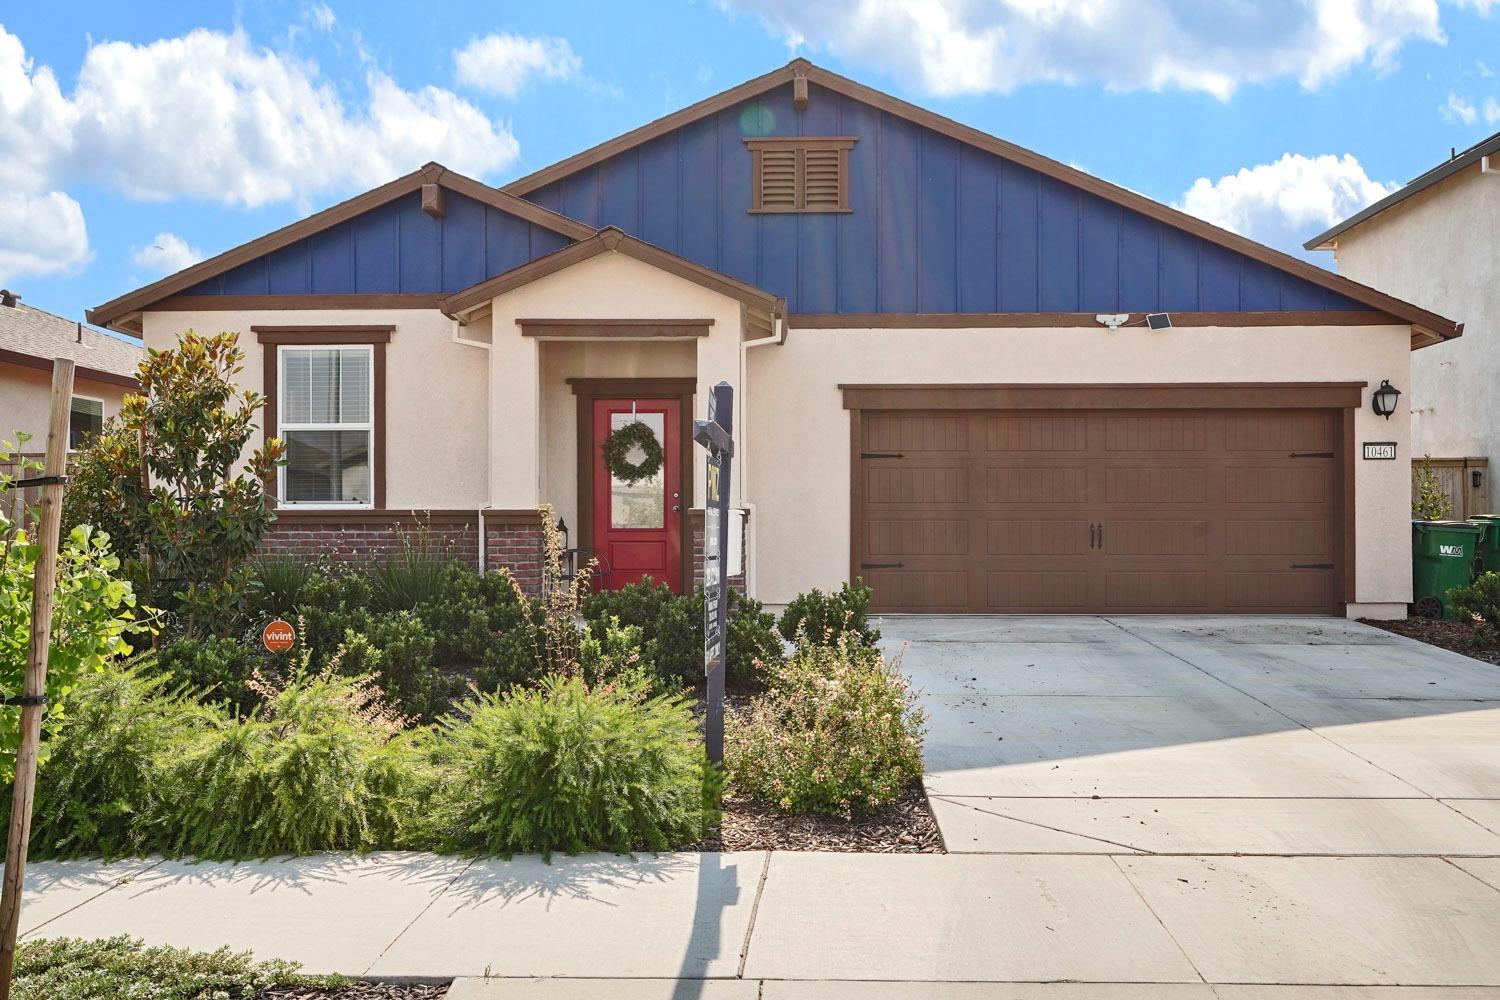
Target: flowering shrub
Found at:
838, 732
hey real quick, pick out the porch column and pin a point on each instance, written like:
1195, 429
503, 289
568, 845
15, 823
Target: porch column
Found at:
515, 419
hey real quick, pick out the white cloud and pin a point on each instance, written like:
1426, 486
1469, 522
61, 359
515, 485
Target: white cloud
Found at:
41, 234
1457, 110
1286, 202
167, 254
322, 17
208, 115
503, 63
1491, 110
978, 46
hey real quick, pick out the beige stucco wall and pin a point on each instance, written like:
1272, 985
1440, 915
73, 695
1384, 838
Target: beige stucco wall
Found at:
26, 400
540, 465
1437, 250
436, 395
799, 431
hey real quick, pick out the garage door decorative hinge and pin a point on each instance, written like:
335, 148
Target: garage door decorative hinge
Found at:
881, 454
1312, 565
881, 565
1311, 454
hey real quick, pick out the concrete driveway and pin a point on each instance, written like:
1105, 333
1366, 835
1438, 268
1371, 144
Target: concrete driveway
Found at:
1295, 800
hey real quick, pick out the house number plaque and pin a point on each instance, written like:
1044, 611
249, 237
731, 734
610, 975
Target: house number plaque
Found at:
1380, 451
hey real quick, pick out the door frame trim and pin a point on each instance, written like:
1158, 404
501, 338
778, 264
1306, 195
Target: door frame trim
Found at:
1346, 397
590, 390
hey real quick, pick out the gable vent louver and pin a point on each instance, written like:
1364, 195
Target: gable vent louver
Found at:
800, 173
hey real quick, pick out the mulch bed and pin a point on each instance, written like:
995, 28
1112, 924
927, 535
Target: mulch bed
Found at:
1454, 635
359, 991
904, 827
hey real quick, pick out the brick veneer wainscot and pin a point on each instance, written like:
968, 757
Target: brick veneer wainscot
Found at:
513, 538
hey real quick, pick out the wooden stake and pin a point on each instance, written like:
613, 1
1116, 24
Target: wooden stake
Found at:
36, 670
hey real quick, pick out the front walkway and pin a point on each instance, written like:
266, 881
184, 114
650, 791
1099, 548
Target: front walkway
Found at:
1141, 809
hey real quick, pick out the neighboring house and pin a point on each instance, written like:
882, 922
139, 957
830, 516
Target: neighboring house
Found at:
105, 371
1432, 243
918, 322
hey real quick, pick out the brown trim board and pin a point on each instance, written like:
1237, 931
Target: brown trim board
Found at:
149, 295
370, 515
595, 329
1029, 320
1106, 396
1439, 325
272, 337
79, 371
244, 303
587, 390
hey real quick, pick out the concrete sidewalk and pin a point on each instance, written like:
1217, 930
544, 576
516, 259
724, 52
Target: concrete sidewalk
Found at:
822, 926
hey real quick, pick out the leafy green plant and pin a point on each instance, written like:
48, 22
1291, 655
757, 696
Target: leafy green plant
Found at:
569, 767
102, 770
277, 583
213, 667
1479, 602
824, 617
838, 732
1432, 502
166, 473
753, 645
77, 969
323, 765
92, 610
414, 575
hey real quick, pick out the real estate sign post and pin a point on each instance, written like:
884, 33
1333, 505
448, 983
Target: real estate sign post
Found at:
716, 434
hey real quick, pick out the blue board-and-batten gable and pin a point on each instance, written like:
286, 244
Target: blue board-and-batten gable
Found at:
394, 248
937, 225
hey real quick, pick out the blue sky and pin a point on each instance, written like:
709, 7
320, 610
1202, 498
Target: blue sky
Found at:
137, 137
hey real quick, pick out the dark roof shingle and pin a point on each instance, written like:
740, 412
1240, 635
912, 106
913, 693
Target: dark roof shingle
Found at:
40, 334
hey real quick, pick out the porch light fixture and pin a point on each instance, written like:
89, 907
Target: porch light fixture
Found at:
1383, 400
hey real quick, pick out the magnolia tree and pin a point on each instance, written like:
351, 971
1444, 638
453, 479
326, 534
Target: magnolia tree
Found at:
91, 612
168, 477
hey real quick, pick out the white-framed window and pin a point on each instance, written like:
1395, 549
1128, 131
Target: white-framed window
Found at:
85, 421
325, 401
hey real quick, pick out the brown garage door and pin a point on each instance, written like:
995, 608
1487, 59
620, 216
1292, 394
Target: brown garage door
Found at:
1099, 510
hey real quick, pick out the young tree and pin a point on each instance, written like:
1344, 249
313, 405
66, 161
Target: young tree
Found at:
1432, 502
166, 475
91, 611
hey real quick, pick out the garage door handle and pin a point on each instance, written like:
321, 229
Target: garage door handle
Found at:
1312, 565
881, 454
881, 565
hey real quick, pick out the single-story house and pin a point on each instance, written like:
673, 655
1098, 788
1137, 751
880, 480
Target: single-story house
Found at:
977, 378
1430, 243
30, 339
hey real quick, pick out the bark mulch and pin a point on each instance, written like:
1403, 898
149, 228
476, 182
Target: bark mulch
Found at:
904, 827
359, 991
1454, 635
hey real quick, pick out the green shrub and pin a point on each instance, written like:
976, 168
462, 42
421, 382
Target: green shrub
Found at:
566, 767
74, 969
277, 584
823, 617
1479, 601
839, 732
400, 653
102, 769
213, 667
321, 766
672, 631
414, 575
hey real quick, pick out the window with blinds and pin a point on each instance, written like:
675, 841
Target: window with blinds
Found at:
800, 174
326, 403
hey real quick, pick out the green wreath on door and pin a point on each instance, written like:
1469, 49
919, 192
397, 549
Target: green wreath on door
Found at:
621, 442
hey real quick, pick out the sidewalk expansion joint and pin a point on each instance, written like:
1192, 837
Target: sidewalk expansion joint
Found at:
760, 887
419, 914
125, 880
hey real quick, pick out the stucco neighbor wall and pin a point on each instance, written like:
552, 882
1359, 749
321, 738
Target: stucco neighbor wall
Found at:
1437, 250
26, 399
437, 395
799, 431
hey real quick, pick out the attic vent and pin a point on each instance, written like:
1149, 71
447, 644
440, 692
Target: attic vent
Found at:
800, 174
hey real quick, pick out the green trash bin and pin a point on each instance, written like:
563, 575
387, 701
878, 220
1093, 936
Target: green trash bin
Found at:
1442, 557
1487, 558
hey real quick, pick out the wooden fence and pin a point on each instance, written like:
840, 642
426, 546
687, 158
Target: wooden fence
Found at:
1465, 480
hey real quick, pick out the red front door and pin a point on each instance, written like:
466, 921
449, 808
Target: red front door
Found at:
638, 526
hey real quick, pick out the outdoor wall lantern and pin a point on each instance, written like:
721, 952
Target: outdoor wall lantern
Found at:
1383, 400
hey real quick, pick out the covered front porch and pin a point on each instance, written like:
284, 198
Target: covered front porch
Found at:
594, 340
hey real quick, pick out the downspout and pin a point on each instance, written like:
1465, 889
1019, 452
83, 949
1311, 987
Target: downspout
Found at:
777, 336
